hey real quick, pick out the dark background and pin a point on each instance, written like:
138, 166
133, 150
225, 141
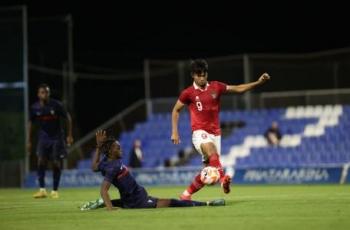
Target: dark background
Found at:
122, 34
118, 37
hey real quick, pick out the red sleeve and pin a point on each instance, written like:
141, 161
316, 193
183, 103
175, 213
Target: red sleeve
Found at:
184, 97
222, 87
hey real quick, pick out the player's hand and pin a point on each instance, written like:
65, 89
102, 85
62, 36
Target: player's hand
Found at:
263, 78
29, 147
70, 140
175, 138
101, 136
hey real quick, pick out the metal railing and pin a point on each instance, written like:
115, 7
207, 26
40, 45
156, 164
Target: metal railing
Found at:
119, 123
304, 97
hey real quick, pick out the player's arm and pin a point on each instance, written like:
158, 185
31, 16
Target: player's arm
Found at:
69, 123
69, 129
105, 196
29, 136
175, 120
100, 138
248, 86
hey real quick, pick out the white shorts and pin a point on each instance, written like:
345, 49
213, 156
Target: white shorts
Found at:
200, 137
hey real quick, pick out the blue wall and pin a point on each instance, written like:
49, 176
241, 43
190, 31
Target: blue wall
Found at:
183, 176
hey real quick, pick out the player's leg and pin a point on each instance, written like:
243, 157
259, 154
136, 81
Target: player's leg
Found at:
42, 164
57, 155
56, 174
194, 187
205, 144
198, 138
211, 152
211, 155
164, 203
226, 179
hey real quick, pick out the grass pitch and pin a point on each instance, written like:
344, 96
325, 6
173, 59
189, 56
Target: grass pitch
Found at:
248, 207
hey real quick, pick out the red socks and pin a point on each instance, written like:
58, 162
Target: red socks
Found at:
196, 185
214, 160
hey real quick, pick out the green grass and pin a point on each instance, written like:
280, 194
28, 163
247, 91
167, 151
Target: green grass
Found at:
248, 207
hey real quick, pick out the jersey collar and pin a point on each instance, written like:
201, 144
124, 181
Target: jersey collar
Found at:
197, 87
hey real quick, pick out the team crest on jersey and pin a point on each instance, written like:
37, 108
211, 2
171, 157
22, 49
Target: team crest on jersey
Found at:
213, 94
204, 135
197, 98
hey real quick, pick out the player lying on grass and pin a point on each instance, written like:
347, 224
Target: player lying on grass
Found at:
132, 195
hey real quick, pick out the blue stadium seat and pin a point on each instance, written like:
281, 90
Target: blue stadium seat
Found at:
332, 147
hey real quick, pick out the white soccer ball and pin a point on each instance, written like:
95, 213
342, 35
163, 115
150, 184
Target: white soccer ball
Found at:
210, 175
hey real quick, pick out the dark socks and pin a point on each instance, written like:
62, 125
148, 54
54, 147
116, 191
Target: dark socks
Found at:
41, 175
56, 177
185, 203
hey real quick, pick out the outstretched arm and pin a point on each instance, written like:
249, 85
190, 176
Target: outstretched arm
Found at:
100, 138
175, 138
248, 86
105, 196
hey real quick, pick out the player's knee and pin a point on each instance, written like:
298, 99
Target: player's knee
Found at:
208, 148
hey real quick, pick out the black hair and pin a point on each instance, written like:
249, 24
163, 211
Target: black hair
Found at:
106, 145
43, 86
199, 66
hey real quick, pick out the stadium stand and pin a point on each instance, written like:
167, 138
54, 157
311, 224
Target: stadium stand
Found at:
312, 135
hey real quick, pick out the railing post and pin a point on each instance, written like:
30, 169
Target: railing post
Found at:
247, 78
147, 80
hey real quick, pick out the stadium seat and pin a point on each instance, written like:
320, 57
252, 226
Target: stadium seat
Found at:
311, 135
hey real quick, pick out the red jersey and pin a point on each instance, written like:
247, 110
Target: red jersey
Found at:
204, 106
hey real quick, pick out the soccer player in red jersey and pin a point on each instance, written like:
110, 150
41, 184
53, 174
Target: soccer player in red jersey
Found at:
203, 101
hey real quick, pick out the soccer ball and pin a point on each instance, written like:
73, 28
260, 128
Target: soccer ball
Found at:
210, 175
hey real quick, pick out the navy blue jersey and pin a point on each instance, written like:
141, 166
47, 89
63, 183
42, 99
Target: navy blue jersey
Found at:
131, 193
48, 118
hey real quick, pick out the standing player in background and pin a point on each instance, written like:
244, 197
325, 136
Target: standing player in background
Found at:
203, 101
46, 113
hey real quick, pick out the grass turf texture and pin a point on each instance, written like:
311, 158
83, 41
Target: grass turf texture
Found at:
248, 207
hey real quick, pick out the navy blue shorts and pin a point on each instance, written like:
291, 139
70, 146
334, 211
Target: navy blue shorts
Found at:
52, 149
149, 202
